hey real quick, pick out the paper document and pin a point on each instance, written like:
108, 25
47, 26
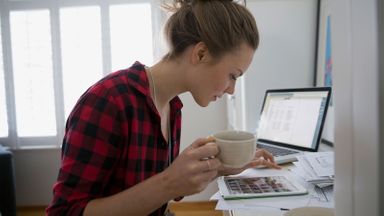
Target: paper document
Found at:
274, 205
316, 168
322, 163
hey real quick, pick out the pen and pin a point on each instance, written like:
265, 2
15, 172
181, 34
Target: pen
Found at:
266, 206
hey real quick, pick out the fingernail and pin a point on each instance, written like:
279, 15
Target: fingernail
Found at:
211, 138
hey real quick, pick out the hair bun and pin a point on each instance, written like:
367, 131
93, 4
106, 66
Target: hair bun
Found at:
222, 25
175, 5
192, 2
184, 2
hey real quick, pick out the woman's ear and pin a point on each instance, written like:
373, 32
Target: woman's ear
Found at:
200, 53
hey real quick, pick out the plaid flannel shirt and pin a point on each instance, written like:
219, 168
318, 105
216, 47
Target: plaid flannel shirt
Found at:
113, 140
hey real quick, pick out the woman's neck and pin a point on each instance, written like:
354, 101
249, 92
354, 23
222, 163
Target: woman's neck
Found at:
168, 80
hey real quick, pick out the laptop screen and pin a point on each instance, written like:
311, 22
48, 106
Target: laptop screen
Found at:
294, 117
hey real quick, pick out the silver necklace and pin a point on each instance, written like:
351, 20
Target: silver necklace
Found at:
155, 101
153, 86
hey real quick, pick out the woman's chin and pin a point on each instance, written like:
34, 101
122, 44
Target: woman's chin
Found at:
203, 102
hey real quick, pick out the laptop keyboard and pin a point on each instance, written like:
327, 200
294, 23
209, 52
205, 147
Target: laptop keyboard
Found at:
276, 151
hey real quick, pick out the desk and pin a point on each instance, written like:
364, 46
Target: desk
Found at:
201, 208
276, 206
207, 208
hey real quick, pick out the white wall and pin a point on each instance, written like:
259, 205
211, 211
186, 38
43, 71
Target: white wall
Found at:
357, 107
381, 98
35, 172
287, 53
201, 122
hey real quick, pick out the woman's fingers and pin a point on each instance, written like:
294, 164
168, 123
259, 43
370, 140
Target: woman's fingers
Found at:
201, 141
204, 148
264, 163
210, 164
265, 154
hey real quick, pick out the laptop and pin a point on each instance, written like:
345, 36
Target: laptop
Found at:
291, 121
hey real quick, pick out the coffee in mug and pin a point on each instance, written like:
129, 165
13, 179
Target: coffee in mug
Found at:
236, 148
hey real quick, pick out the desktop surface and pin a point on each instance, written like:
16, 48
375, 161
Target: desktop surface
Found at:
280, 205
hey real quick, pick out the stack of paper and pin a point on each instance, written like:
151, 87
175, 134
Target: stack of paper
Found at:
275, 205
316, 168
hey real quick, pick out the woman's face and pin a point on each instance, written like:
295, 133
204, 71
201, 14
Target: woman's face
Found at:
211, 81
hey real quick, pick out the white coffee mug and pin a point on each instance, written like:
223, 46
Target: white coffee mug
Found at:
236, 148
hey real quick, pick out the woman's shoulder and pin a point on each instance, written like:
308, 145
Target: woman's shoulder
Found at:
123, 81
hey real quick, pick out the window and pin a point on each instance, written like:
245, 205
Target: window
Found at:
3, 107
80, 51
123, 42
55, 51
32, 72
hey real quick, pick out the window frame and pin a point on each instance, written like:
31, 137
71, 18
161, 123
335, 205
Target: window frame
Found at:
54, 6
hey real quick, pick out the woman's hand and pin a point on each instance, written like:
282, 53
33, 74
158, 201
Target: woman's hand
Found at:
194, 168
262, 159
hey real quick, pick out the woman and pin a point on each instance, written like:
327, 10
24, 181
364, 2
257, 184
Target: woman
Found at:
120, 150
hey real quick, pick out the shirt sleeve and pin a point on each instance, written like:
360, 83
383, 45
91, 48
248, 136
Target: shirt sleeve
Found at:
89, 152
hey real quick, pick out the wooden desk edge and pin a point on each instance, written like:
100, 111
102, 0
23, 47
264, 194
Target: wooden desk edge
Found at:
192, 208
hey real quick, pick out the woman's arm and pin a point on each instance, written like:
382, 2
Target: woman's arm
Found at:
188, 174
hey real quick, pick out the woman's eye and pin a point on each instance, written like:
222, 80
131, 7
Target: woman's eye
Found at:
233, 77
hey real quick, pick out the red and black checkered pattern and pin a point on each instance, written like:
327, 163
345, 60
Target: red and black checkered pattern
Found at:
113, 140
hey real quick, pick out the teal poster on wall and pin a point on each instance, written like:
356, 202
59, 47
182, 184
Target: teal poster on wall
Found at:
328, 55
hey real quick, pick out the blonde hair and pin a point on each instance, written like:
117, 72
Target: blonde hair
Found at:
222, 25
